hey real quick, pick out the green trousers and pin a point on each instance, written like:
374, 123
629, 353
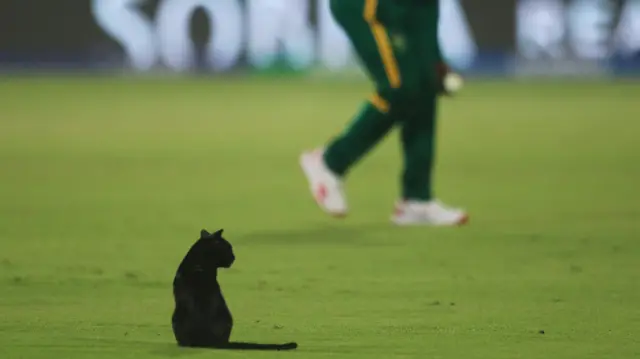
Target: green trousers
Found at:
397, 43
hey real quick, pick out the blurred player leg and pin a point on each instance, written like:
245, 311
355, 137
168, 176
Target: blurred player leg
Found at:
418, 131
397, 45
418, 206
325, 168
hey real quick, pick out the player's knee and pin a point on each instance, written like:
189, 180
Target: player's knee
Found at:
406, 99
380, 101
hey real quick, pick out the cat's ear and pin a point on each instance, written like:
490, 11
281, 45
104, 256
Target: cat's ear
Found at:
204, 234
218, 234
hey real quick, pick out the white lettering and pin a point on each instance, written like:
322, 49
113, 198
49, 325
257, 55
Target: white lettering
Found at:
125, 23
456, 39
225, 40
627, 37
275, 29
280, 27
590, 23
168, 41
335, 51
540, 29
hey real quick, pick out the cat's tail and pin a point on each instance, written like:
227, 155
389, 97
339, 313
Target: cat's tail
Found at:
256, 346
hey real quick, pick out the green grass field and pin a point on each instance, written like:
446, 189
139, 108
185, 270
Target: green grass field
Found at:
104, 183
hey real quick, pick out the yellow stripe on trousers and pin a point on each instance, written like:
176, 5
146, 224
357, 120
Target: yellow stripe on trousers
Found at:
379, 103
383, 43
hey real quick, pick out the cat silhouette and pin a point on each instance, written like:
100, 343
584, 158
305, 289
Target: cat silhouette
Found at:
201, 318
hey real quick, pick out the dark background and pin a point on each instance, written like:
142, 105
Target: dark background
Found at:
63, 31
54, 33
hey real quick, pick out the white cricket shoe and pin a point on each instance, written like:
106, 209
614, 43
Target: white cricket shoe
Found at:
431, 213
326, 187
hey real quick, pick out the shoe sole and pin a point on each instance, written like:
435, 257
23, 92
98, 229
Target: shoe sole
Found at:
307, 172
461, 222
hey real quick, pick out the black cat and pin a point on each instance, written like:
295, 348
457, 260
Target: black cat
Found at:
201, 317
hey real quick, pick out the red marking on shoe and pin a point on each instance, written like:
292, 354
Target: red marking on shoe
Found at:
321, 193
464, 220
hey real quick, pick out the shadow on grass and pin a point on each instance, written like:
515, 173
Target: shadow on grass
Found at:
319, 234
164, 349
174, 351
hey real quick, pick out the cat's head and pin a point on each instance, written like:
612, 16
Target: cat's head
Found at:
215, 250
